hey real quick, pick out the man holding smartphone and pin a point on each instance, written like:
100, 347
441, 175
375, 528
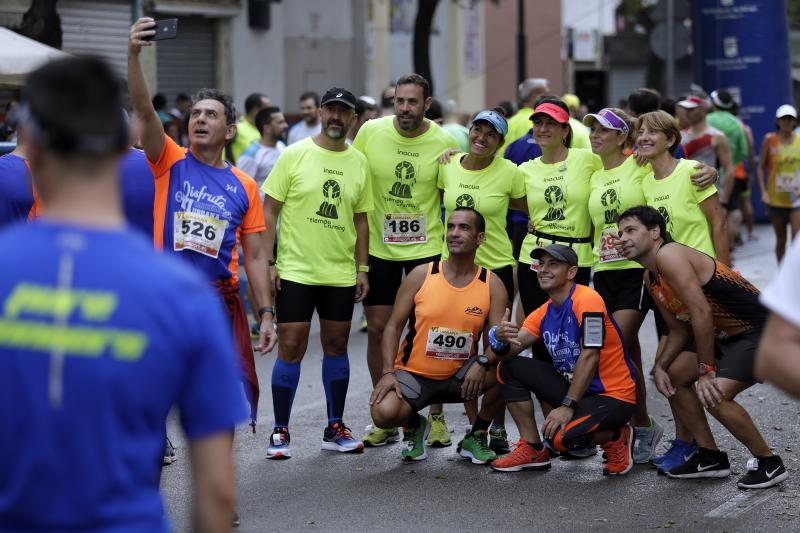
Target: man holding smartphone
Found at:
589, 387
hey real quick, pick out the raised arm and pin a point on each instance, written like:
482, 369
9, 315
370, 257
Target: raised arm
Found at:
152, 134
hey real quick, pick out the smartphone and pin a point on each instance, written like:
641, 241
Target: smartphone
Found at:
165, 29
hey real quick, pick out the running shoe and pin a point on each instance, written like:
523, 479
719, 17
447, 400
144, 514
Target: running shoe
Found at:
376, 436
475, 447
498, 440
619, 453
679, 452
763, 473
704, 463
415, 440
524, 457
646, 439
279, 444
337, 438
169, 453
439, 435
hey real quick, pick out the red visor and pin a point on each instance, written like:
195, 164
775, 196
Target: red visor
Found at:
552, 111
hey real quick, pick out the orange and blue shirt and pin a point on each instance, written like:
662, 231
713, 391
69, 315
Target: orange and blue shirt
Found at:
201, 211
559, 327
16, 191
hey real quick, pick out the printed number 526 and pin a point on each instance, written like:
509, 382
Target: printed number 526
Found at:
198, 229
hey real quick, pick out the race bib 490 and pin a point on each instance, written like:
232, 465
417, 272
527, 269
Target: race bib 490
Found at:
448, 343
404, 228
200, 233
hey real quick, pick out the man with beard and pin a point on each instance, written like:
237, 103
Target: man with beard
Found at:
321, 189
405, 228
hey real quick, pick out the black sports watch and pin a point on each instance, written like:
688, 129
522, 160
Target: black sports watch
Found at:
268, 309
569, 402
483, 361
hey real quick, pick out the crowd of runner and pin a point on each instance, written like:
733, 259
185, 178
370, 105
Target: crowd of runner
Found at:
517, 253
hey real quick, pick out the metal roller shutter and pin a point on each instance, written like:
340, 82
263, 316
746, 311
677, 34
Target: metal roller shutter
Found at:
97, 28
186, 64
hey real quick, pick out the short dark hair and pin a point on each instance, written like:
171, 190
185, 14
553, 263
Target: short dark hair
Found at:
264, 117
253, 102
159, 101
434, 112
649, 217
310, 95
219, 96
416, 79
560, 103
480, 222
643, 101
74, 107
183, 97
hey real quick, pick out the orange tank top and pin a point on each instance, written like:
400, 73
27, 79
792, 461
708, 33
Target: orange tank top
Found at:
445, 325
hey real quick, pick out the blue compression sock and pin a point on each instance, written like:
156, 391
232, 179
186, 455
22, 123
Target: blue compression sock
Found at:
335, 379
285, 377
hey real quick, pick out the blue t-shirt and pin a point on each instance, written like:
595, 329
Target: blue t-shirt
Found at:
138, 190
16, 193
82, 443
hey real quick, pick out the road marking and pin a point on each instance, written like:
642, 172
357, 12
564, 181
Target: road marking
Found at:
741, 503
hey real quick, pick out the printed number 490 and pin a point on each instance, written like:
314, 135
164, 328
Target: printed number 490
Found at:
449, 341
199, 230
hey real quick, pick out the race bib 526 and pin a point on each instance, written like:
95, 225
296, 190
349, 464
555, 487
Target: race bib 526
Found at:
200, 233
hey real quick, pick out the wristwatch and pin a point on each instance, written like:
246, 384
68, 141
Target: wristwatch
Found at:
483, 361
569, 402
705, 368
268, 309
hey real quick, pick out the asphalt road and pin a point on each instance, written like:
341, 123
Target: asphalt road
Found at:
375, 491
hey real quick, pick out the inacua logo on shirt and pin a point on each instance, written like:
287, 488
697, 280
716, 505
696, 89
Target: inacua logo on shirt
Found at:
332, 194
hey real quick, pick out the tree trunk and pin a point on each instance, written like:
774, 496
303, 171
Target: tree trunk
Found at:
42, 23
422, 38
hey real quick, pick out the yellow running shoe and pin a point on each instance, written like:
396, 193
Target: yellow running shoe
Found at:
439, 437
376, 436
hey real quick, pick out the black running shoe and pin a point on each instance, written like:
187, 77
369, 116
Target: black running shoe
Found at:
763, 472
704, 463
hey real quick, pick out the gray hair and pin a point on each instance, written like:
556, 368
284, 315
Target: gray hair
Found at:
529, 87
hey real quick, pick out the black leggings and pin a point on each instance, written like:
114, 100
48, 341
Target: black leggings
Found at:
522, 375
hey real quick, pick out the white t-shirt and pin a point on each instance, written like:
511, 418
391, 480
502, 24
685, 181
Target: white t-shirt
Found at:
782, 296
301, 130
257, 161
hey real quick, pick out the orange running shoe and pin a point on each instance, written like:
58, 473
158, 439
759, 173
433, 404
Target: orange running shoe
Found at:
523, 457
619, 453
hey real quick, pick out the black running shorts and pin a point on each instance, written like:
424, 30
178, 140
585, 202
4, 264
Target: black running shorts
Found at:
522, 375
385, 277
506, 275
296, 302
421, 392
736, 356
622, 289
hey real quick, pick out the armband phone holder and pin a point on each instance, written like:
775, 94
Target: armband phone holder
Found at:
594, 330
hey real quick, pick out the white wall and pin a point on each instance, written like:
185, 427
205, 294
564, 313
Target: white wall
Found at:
589, 15
258, 57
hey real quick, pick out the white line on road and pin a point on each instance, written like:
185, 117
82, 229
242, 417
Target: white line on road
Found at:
741, 504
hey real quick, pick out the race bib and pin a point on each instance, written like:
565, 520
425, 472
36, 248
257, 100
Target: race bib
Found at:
608, 246
448, 343
404, 228
200, 233
535, 265
788, 183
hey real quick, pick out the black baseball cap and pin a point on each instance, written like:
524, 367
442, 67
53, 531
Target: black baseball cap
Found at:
337, 94
559, 252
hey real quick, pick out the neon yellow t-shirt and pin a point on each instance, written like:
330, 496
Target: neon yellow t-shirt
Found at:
406, 223
783, 178
614, 191
488, 191
678, 201
580, 134
320, 191
558, 197
246, 134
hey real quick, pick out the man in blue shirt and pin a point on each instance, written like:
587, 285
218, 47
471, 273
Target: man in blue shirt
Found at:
92, 354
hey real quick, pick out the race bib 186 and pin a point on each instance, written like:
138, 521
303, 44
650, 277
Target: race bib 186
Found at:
448, 343
200, 233
404, 228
